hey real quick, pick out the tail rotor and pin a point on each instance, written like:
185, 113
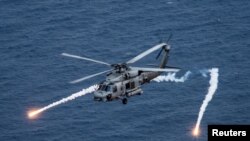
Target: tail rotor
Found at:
166, 47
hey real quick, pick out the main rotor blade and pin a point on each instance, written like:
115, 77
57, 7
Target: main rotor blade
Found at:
84, 58
145, 53
170, 36
87, 77
156, 69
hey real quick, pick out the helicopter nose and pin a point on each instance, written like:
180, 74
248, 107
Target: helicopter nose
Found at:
100, 96
97, 94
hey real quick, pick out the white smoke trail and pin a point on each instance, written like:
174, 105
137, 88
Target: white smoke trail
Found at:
69, 98
214, 74
172, 78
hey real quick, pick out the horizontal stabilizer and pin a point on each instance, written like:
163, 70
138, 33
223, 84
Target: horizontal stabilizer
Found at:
172, 67
155, 69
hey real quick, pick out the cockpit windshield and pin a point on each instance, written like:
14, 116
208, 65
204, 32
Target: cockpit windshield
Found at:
104, 88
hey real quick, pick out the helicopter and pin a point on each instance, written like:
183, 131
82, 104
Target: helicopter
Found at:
124, 80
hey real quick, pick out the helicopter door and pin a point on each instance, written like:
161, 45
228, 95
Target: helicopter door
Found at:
127, 85
130, 85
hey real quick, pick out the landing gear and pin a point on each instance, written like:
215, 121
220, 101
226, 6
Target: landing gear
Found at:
126, 94
124, 101
109, 97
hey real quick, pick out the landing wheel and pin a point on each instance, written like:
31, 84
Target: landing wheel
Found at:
124, 101
109, 96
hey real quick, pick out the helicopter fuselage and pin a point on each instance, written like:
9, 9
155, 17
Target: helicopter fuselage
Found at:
123, 85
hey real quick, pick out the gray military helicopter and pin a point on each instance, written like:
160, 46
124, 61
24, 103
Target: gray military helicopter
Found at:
123, 80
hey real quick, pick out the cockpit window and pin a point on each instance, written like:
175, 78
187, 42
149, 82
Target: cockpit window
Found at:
100, 87
104, 88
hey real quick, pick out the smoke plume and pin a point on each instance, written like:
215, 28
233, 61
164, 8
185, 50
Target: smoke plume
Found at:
170, 77
64, 100
214, 74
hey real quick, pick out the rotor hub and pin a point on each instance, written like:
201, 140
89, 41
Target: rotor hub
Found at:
120, 66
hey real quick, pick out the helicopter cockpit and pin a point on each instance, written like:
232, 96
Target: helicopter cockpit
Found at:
107, 88
105, 91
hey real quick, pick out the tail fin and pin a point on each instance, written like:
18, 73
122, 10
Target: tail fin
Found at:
164, 60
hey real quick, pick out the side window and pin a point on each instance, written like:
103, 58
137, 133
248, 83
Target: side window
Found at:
114, 89
127, 86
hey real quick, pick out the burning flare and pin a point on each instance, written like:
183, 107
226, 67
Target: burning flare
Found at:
32, 114
196, 132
